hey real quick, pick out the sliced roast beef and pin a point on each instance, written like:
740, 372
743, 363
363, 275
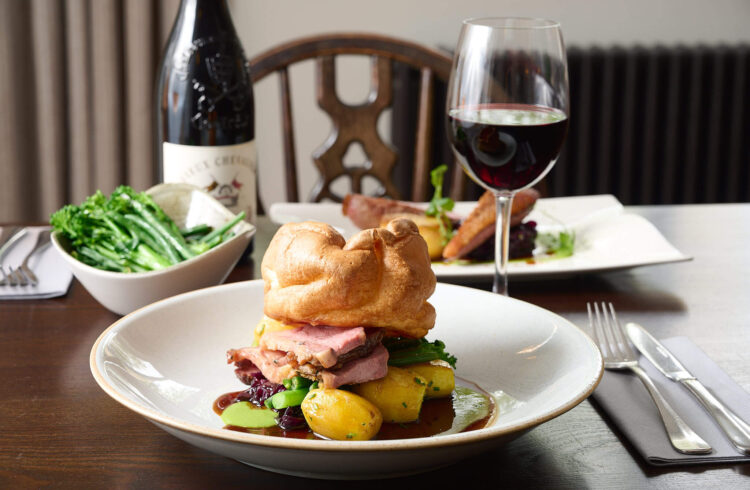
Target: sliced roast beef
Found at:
374, 337
315, 345
364, 362
374, 366
275, 365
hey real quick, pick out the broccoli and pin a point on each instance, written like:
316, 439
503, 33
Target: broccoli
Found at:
129, 232
404, 351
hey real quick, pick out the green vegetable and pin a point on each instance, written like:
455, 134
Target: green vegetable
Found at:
195, 230
218, 234
296, 390
129, 232
440, 205
297, 383
557, 246
288, 398
245, 414
403, 351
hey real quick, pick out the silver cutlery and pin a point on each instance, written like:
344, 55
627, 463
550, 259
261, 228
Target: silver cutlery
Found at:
14, 236
618, 355
10, 278
733, 426
24, 275
6, 232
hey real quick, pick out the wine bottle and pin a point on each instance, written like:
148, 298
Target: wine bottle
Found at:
205, 107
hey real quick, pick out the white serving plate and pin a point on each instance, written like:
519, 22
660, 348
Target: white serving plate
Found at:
607, 237
167, 362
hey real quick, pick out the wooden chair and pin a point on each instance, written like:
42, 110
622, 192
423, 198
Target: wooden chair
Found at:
357, 123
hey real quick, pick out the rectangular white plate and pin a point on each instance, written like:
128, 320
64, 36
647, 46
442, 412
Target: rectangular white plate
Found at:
607, 237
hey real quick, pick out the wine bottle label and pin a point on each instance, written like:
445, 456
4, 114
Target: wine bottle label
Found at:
228, 172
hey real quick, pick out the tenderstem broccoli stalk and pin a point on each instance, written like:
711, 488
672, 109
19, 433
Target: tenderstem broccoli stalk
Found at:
129, 232
404, 351
154, 217
219, 232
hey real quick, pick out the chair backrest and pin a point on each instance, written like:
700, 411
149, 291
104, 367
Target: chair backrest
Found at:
357, 123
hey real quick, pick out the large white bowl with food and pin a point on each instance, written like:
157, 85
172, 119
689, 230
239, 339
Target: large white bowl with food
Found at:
188, 206
167, 362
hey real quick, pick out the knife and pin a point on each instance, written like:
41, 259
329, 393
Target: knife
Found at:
13, 237
733, 426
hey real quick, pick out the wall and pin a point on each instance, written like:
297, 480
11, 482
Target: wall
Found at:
262, 24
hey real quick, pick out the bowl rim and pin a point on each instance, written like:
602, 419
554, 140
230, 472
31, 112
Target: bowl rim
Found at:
245, 228
462, 438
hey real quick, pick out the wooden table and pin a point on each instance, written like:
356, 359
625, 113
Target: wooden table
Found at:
58, 428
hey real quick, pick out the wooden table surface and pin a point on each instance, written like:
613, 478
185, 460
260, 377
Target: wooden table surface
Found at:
57, 428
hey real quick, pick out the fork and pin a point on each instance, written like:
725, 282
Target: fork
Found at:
16, 235
23, 274
618, 355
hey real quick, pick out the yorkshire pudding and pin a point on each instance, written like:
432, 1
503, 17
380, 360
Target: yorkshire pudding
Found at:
381, 278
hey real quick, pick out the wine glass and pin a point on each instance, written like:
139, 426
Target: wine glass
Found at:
507, 111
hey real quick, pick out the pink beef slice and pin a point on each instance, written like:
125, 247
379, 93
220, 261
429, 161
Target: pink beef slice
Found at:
315, 345
273, 364
371, 367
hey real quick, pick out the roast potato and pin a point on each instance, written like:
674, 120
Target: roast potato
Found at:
398, 395
429, 229
341, 415
439, 376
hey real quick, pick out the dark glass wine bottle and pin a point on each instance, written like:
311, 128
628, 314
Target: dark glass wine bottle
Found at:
205, 108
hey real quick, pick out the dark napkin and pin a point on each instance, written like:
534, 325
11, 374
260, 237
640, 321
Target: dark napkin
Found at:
622, 395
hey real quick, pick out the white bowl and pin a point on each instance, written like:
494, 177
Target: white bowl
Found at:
188, 206
167, 362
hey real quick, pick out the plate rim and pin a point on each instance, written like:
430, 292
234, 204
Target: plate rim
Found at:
476, 436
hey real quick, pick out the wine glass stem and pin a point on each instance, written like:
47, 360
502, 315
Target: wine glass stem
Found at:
503, 205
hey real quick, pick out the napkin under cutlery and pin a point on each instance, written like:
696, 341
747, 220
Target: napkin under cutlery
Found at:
627, 403
53, 274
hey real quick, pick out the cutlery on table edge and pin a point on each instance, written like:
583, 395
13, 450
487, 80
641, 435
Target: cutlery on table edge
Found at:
9, 277
11, 241
41, 240
620, 356
6, 232
736, 429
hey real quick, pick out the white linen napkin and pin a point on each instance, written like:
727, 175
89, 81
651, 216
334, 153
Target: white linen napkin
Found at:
53, 274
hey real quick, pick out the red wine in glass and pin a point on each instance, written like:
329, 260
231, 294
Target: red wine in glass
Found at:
507, 147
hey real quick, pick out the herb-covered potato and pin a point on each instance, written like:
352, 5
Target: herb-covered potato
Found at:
398, 395
439, 376
341, 415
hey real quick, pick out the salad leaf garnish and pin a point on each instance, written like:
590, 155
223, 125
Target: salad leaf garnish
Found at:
557, 245
440, 205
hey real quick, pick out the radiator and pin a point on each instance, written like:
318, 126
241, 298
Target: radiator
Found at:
657, 125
